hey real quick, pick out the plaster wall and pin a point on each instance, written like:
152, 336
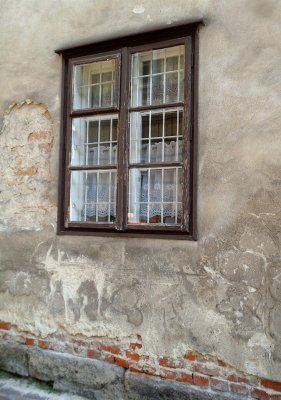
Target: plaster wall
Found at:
220, 295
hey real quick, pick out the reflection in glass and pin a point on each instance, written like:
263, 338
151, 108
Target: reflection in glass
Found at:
155, 195
93, 196
94, 85
94, 140
156, 136
157, 76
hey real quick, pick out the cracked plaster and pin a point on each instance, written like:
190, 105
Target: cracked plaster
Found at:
220, 295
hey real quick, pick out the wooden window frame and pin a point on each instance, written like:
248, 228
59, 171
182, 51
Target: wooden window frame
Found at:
122, 49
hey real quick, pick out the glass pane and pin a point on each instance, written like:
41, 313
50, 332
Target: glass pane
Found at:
156, 136
93, 196
94, 140
154, 196
157, 76
94, 85
172, 87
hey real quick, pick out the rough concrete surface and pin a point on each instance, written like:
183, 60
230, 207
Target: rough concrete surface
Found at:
220, 295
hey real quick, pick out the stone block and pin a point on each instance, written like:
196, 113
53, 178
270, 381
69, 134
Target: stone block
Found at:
14, 358
90, 378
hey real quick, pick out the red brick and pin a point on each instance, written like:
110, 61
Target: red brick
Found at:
110, 349
5, 325
238, 389
30, 171
121, 362
135, 346
29, 341
109, 359
43, 344
200, 380
260, 394
149, 370
218, 384
275, 397
190, 356
164, 373
166, 362
133, 356
205, 370
146, 369
91, 353
221, 363
185, 377
80, 343
271, 384
236, 378
39, 135
136, 368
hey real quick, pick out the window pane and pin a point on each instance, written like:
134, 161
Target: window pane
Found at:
93, 196
94, 85
156, 136
154, 196
94, 140
157, 76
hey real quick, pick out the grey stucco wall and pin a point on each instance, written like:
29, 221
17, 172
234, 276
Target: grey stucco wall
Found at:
220, 295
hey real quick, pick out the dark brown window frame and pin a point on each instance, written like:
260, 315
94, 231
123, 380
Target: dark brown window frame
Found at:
122, 48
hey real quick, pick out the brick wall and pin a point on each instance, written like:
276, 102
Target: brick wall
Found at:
204, 371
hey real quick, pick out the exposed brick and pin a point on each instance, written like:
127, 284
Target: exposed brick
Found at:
206, 370
238, 389
146, 369
39, 135
236, 378
91, 353
221, 363
30, 171
275, 397
29, 341
260, 394
271, 384
43, 344
135, 346
164, 373
109, 359
133, 356
80, 342
190, 356
218, 384
110, 349
5, 325
121, 362
200, 380
185, 377
166, 362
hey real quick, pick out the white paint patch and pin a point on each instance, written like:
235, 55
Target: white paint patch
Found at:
139, 9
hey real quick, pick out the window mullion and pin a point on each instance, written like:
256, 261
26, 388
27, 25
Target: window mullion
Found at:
186, 206
122, 164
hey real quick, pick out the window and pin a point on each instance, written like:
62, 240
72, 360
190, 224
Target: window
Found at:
129, 137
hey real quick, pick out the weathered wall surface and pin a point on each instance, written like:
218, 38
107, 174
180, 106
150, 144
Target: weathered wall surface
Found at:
220, 295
